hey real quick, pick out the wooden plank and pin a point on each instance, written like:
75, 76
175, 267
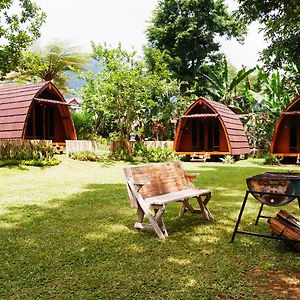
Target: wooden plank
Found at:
177, 196
238, 138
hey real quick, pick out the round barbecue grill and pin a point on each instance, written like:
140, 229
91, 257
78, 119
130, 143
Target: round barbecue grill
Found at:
274, 189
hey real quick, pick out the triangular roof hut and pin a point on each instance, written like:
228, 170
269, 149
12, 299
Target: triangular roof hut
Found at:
286, 136
35, 111
209, 127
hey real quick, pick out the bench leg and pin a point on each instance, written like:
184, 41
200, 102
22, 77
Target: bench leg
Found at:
140, 217
156, 223
158, 215
186, 206
205, 211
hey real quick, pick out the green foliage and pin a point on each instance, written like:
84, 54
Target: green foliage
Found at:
139, 152
17, 30
271, 160
222, 86
85, 156
280, 24
186, 30
125, 96
34, 162
152, 154
83, 124
266, 105
36, 152
227, 159
51, 63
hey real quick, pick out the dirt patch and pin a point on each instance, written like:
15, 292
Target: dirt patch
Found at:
275, 283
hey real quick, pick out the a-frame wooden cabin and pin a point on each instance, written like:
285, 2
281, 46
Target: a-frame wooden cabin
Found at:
286, 136
35, 112
211, 128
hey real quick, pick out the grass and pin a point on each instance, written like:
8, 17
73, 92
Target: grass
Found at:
66, 232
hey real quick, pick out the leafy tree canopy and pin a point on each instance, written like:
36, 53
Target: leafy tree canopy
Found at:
20, 22
186, 30
281, 21
124, 95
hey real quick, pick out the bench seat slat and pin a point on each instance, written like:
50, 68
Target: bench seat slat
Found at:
176, 196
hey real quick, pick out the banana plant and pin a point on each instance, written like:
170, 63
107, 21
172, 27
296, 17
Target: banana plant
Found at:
222, 86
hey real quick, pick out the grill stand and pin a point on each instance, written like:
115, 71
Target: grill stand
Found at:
258, 217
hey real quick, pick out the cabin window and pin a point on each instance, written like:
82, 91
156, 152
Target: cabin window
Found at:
40, 124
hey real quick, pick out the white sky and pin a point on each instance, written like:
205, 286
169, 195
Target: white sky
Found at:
80, 22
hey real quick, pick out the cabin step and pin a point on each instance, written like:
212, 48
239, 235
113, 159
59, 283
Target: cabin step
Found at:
199, 157
59, 148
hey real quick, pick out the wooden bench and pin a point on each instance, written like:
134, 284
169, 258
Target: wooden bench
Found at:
151, 187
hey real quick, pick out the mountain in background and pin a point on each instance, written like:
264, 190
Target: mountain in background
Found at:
75, 83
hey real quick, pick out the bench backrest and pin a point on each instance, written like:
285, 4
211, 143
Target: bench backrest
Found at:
158, 179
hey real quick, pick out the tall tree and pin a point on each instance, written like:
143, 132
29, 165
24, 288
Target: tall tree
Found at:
51, 63
20, 22
125, 93
186, 30
280, 21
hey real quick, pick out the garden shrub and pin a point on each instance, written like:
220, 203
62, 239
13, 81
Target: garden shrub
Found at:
152, 154
85, 156
228, 159
271, 160
27, 153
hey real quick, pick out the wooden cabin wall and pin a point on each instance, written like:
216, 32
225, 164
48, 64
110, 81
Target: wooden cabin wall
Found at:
282, 137
60, 135
223, 141
185, 141
287, 139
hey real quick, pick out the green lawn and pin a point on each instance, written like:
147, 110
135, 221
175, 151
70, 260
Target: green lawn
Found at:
66, 232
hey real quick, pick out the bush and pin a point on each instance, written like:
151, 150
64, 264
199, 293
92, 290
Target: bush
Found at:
228, 159
152, 154
271, 160
27, 153
85, 156
36, 163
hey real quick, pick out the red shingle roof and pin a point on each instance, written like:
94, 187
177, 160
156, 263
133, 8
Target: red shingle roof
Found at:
233, 126
15, 102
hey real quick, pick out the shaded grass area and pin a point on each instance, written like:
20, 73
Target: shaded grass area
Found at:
71, 236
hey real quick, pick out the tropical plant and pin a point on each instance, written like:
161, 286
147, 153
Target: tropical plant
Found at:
185, 32
266, 105
51, 64
20, 22
222, 85
227, 159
